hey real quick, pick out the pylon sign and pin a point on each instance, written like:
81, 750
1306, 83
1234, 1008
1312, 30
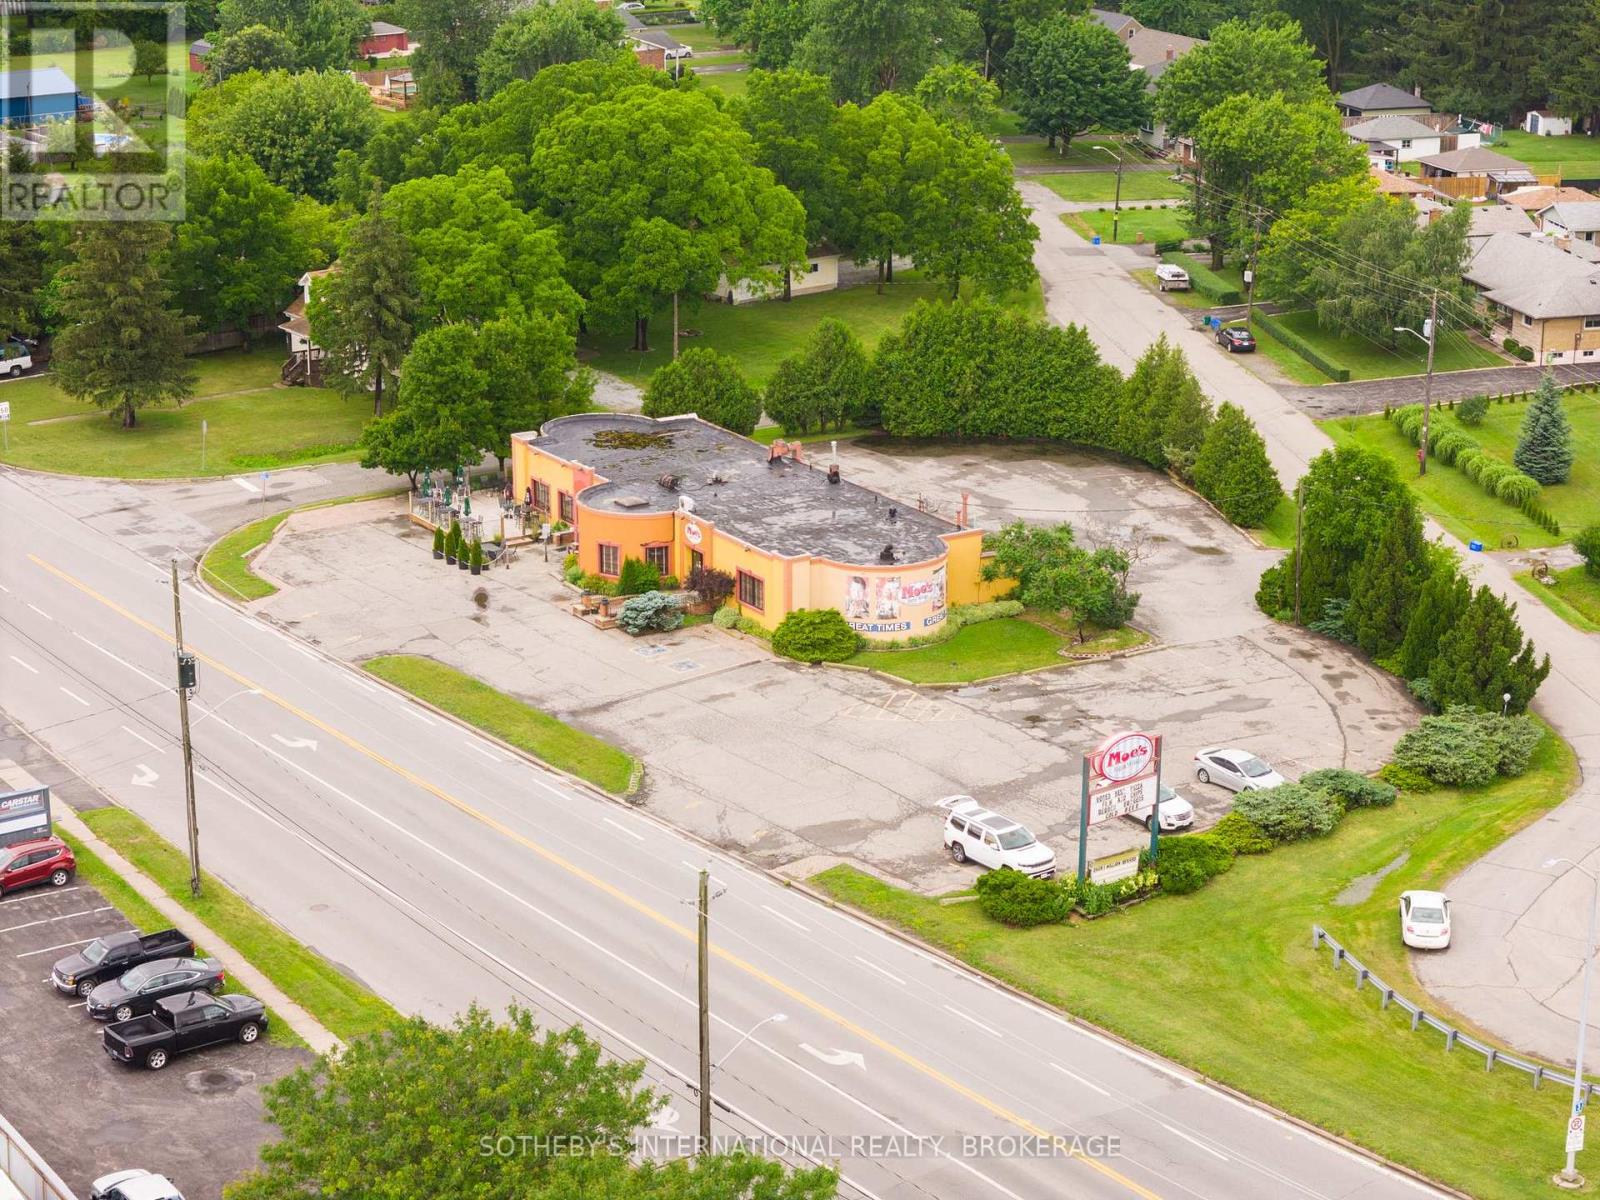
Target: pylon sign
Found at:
1121, 775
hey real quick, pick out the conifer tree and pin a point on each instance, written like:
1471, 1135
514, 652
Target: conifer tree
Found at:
1233, 471
1383, 588
1441, 601
1484, 657
1544, 449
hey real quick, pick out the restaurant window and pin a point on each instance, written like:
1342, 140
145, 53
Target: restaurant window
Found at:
566, 508
696, 560
541, 496
659, 557
752, 591
608, 559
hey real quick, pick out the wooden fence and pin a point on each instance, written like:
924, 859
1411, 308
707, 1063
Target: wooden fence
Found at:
1470, 187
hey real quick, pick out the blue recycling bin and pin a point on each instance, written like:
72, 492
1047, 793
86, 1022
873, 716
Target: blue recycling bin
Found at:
1096, 240
1474, 544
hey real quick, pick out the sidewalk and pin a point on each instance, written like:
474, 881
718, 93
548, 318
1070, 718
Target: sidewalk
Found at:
1371, 395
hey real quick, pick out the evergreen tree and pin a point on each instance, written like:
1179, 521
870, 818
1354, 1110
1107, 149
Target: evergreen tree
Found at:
1233, 471
361, 312
1188, 418
122, 341
1484, 657
1146, 400
708, 383
1383, 588
1544, 449
825, 384
1441, 601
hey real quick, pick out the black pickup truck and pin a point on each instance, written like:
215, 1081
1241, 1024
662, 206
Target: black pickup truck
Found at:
179, 1024
110, 956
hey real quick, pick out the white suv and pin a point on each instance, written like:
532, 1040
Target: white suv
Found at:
974, 834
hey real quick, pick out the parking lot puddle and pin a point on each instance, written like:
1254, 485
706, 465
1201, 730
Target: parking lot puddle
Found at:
1362, 886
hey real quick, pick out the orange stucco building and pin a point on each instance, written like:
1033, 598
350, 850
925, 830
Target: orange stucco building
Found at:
680, 492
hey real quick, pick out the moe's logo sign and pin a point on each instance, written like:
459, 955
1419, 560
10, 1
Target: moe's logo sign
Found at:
1123, 756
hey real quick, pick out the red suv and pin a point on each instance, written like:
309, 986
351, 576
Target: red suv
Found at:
43, 860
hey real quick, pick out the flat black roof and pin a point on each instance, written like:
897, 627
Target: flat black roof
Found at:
783, 507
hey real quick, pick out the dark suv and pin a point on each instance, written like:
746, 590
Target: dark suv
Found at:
43, 860
1236, 341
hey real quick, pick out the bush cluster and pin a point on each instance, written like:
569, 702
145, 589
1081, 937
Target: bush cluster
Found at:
1351, 788
653, 612
1467, 747
1454, 448
1587, 544
815, 635
1188, 862
1022, 901
1405, 779
637, 577
1472, 410
726, 617
1241, 835
1290, 812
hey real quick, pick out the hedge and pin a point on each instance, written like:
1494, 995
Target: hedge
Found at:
1303, 348
1187, 863
1351, 788
815, 635
1204, 280
1022, 901
1495, 476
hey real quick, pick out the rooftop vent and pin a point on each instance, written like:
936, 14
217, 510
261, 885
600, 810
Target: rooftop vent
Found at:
886, 555
668, 480
630, 501
833, 473
893, 512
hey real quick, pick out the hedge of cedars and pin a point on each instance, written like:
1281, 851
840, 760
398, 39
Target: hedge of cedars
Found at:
1500, 479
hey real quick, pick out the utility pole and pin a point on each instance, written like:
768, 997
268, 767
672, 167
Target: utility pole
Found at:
186, 682
1299, 519
674, 326
704, 925
1116, 205
1250, 275
1432, 332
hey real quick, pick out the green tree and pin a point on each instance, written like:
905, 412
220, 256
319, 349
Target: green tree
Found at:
1385, 583
294, 126
1569, 70
959, 96
1484, 657
1544, 447
355, 1116
613, 174
999, 20
1148, 399
442, 417
361, 314
1298, 244
968, 222
149, 60
237, 252
542, 35
321, 33
1336, 29
1191, 18
1188, 416
1483, 57
452, 36
1441, 601
22, 275
250, 48
826, 383
708, 383
1242, 58
1233, 471
774, 29
1055, 574
121, 342
530, 363
1069, 74
727, 17
872, 46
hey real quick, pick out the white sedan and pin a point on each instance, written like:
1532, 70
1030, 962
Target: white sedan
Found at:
1425, 920
1236, 770
1176, 812
974, 834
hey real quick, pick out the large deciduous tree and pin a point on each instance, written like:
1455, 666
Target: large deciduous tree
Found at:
998, 21
1257, 59
1068, 74
321, 34
872, 46
442, 417
250, 48
708, 383
968, 222
542, 35
452, 35
1056, 574
773, 31
959, 97
121, 343
529, 361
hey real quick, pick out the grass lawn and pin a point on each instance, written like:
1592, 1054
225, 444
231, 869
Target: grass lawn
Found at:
1189, 299
1264, 1012
728, 59
1575, 598
1464, 508
1083, 153
998, 647
1279, 529
1005, 123
759, 335
342, 1006
768, 434
1574, 155
1297, 369
729, 83
1372, 360
253, 425
699, 37
1134, 224
509, 719
1101, 186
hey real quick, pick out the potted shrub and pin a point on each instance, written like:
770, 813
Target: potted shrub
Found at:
438, 543
464, 554
452, 542
477, 556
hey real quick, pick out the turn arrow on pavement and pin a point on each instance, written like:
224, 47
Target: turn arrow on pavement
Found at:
836, 1058
299, 743
144, 777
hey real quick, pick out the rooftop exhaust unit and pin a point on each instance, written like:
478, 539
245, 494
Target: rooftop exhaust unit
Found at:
886, 555
833, 473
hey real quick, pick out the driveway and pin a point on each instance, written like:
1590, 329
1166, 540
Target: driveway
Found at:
1516, 959
1371, 395
801, 767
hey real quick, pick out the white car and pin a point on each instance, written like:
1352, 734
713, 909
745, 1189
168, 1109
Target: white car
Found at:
137, 1184
1176, 812
1236, 770
974, 834
16, 356
1425, 920
1172, 278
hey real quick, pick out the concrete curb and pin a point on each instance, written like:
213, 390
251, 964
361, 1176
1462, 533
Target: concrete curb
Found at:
298, 1019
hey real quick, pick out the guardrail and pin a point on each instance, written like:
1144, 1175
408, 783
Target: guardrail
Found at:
29, 1174
1453, 1037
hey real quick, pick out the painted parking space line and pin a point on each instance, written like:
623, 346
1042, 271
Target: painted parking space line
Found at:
39, 895
66, 945
87, 912
24, 665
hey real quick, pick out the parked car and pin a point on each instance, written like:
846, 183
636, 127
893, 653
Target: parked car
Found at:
1236, 339
136, 1184
39, 860
114, 955
16, 356
680, 52
136, 992
974, 834
1425, 920
178, 1024
1172, 278
1176, 812
1236, 770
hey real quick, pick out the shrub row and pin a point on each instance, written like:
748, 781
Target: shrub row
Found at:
958, 617
1495, 476
1203, 279
1303, 348
1023, 902
1467, 747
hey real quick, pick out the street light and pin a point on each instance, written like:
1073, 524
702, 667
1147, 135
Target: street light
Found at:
1429, 334
774, 1019
1568, 1176
1505, 703
1116, 205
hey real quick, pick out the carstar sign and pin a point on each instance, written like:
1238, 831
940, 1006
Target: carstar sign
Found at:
1123, 756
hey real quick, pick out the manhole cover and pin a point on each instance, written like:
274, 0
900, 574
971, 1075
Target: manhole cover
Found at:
684, 664
217, 1081
649, 651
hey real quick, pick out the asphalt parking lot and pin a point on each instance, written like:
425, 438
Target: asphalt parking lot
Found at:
199, 1121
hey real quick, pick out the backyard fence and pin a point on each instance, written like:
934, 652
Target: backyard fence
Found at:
1453, 1037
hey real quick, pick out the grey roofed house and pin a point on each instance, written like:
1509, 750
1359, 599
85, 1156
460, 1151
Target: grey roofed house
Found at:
1146, 47
1474, 160
1534, 278
1390, 127
1490, 219
1574, 218
1382, 98
384, 29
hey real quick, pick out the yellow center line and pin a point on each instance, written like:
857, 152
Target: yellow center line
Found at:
622, 897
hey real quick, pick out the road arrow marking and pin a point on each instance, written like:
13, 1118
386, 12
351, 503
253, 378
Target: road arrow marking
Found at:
665, 1117
299, 743
144, 777
836, 1058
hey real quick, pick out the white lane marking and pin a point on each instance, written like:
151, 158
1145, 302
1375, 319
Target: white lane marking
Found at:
836, 1058
137, 736
790, 920
295, 743
426, 720
867, 962
40, 895
972, 1020
247, 485
76, 697
143, 777
363, 684
28, 666
5, 589
66, 945
88, 912
696, 870
141, 672
1088, 1083
40, 611
638, 837
1193, 1141
489, 754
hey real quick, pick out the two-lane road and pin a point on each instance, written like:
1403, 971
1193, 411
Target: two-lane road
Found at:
442, 871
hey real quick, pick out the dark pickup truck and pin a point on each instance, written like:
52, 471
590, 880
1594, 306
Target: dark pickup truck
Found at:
110, 956
179, 1024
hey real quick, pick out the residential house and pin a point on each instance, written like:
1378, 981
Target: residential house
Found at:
1395, 138
1544, 123
41, 94
820, 274
649, 44
198, 49
1535, 198
384, 40
653, 57
1484, 221
1381, 100
1392, 183
1152, 51
1483, 174
1578, 221
305, 356
1547, 299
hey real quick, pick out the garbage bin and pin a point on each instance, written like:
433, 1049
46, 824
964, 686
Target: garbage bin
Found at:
1096, 240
